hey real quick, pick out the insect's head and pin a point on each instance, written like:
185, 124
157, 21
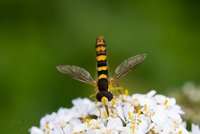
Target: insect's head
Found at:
104, 96
100, 40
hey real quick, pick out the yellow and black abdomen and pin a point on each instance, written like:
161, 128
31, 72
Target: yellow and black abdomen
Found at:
102, 70
102, 67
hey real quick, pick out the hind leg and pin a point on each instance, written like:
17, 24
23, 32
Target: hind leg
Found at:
98, 109
93, 96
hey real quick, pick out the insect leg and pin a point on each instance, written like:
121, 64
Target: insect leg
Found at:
106, 107
123, 122
98, 109
119, 89
93, 96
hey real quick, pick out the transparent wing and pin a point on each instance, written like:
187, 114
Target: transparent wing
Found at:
77, 73
128, 65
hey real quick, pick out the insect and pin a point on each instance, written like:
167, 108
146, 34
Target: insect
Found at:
103, 84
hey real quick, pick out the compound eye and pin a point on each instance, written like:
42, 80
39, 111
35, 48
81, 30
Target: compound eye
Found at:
108, 95
99, 96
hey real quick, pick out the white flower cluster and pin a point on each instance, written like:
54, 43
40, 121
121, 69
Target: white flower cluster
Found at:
138, 114
192, 92
188, 98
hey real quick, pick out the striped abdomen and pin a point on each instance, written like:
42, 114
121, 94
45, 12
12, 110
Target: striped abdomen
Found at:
102, 67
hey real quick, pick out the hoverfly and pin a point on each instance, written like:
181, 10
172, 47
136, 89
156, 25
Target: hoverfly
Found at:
103, 84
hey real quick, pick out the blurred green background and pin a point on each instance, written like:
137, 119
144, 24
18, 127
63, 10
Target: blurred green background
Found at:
36, 36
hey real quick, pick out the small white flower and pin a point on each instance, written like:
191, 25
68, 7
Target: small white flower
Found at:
160, 117
85, 107
195, 129
35, 130
96, 124
181, 130
114, 123
80, 128
151, 93
65, 114
47, 119
144, 125
137, 114
128, 111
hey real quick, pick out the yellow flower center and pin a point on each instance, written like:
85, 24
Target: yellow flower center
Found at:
166, 102
145, 107
87, 122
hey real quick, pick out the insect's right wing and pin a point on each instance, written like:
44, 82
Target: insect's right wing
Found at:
77, 73
128, 65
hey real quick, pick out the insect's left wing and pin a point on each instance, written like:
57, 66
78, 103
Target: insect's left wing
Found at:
77, 73
128, 65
